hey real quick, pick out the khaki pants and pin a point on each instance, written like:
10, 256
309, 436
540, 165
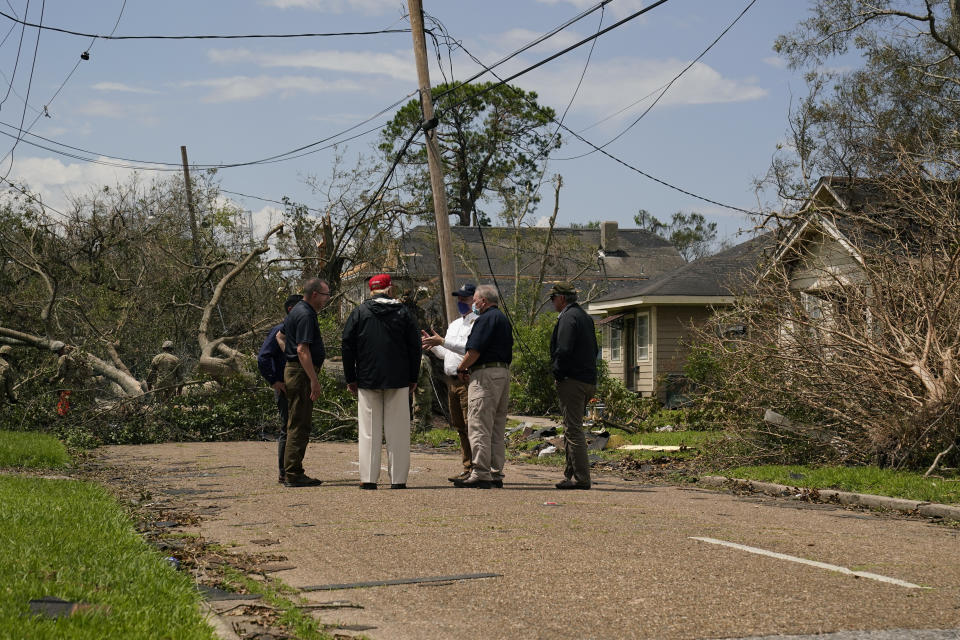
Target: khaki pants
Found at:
299, 421
457, 400
486, 421
384, 414
573, 396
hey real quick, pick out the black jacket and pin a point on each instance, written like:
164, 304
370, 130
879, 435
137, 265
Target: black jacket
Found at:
381, 345
573, 346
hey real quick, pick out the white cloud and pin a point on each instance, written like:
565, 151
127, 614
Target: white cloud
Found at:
776, 62
120, 87
55, 181
104, 109
240, 88
399, 66
370, 7
516, 38
264, 219
620, 8
615, 83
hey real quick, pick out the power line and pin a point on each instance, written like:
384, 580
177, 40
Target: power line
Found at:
535, 42
16, 63
45, 111
611, 156
668, 85
200, 37
26, 100
154, 165
536, 65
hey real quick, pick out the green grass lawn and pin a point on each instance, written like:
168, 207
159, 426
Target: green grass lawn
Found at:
32, 450
883, 482
71, 540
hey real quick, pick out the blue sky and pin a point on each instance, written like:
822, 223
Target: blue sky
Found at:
230, 101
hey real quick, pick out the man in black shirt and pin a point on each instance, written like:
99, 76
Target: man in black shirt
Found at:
573, 354
487, 368
304, 353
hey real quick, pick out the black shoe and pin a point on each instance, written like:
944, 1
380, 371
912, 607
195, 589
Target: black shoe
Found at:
472, 484
399, 485
496, 484
303, 481
461, 477
282, 478
370, 486
570, 484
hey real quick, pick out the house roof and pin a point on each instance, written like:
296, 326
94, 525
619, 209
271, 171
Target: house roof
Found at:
640, 256
863, 214
719, 275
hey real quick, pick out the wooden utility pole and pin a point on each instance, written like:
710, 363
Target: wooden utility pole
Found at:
193, 217
433, 161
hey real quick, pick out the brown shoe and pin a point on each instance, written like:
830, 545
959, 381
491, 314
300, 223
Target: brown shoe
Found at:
461, 477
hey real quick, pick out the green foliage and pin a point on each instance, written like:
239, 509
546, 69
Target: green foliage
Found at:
437, 437
493, 139
280, 596
690, 233
70, 540
236, 412
532, 387
32, 450
910, 485
622, 406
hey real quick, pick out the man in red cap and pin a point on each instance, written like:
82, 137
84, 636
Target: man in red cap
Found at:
381, 363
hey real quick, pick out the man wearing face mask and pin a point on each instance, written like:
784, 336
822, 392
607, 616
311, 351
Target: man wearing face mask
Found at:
451, 349
486, 369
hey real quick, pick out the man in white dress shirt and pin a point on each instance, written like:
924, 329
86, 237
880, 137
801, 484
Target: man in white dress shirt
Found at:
451, 349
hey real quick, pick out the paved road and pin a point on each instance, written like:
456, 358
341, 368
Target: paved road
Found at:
625, 560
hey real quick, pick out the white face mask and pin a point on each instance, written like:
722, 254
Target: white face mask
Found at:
475, 308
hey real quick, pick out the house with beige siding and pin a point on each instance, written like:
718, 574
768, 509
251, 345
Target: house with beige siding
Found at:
646, 330
820, 251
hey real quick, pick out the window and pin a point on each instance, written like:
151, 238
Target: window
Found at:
643, 336
615, 343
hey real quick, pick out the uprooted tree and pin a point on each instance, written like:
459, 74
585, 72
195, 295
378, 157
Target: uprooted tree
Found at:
111, 278
852, 334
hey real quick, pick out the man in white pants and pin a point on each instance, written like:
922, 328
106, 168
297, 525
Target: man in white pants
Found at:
381, 362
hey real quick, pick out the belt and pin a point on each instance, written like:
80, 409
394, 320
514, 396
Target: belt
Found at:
489, 365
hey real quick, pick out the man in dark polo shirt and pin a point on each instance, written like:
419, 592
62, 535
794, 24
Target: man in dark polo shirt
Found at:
573, 355
271, 361
486, 366
304, 354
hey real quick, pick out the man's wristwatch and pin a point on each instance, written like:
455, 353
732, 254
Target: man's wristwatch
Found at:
463, 370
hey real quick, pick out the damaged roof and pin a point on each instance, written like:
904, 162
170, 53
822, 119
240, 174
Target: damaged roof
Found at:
716, 275
574, 254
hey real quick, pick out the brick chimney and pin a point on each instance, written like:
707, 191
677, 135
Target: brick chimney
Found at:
608, 236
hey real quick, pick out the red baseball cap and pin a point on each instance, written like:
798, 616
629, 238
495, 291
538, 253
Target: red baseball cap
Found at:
379, 281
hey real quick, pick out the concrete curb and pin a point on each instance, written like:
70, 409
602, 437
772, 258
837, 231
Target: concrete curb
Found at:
929, 509
220, 627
